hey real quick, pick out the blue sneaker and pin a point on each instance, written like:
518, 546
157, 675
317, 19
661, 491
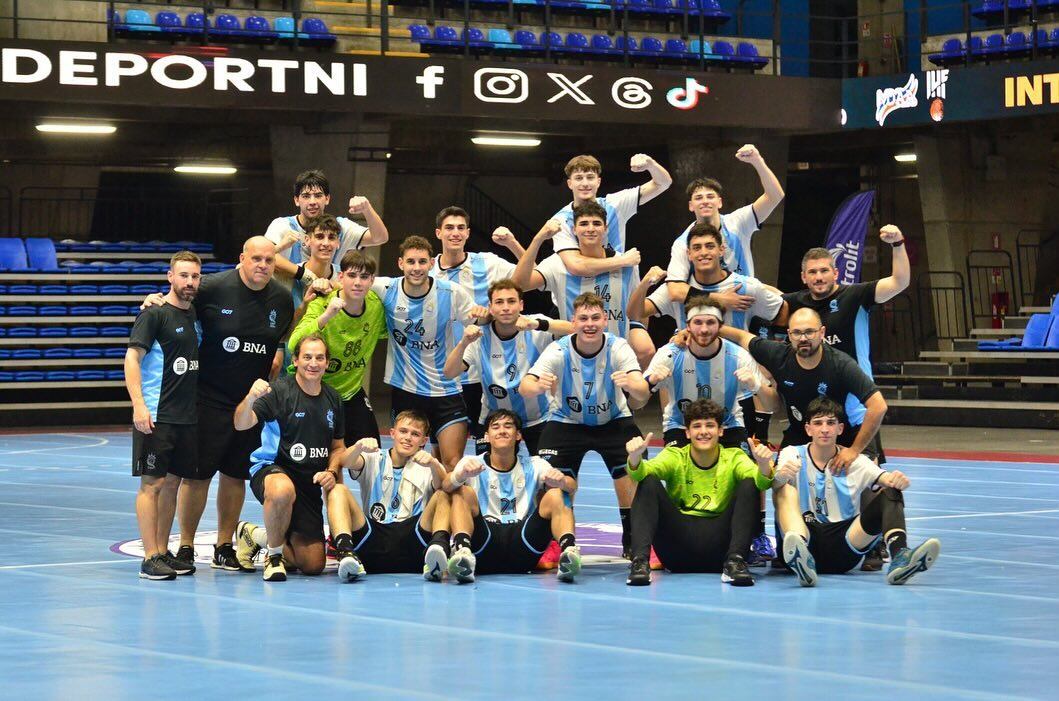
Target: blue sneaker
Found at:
761, 551
796, 555
908, 563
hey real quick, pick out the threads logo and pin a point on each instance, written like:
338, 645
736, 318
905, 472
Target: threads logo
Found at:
890, 100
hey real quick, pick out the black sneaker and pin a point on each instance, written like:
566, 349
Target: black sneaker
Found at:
736, 572
873, 561
156, 568
186, 554
224, 558
639, 573
178, 566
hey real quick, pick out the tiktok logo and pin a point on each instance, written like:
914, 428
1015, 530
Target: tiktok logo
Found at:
687, 97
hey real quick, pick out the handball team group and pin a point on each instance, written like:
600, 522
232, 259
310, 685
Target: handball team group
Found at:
257, 373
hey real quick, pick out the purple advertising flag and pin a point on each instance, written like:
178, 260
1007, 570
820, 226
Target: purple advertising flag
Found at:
845, 236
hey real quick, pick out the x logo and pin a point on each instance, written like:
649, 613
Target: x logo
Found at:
571, 88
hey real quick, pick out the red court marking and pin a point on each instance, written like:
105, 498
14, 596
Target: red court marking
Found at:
973, 455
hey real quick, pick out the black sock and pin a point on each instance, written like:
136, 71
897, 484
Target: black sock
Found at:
626, 538
566, 540
761, 524
344, 542
761, 425
461, 540
896, 541
441, 538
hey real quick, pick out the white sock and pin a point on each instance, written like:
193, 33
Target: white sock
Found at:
260, 536
278, 550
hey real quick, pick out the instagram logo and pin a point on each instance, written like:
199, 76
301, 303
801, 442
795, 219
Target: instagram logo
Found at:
687, 97
508, 85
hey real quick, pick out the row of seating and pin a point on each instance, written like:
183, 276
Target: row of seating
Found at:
1015, 45
994, 9
1042, 333
71, 310
127, 266
41, 254
60, 375
31, 254
72, 246
83, 289
708, 9
253, 29
445, 38
62, 331
62, 353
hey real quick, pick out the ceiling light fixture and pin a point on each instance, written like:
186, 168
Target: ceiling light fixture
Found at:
75, 128
206, 170
905, 157
520, 141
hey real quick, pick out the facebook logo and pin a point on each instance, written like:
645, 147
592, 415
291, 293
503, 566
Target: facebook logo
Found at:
430, 79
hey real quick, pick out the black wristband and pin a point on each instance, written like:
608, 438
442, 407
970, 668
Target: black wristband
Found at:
542, 324
299, 273
898, 244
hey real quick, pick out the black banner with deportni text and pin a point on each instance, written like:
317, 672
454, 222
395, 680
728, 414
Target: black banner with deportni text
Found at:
1017, 89
136, 74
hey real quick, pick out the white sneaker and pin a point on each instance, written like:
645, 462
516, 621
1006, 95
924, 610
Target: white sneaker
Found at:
350, 568
796, 555
461, 565
569, 564
434, 563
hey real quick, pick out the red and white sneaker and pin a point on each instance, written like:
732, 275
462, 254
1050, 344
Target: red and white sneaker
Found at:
656, 564
550, 558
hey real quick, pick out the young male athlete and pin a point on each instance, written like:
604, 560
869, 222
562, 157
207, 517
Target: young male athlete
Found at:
589, 375
705, 201
351, 320
301, 445
404, 525
613, 287
243, 316
501, 354
322, 240
312, 194
474, 272
818, 514
421, 315
161, 372
508, 507
696, 505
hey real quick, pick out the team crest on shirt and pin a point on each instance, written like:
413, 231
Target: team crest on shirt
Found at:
834, 305
272, 319
180, 366
298, 452
704, 391
377, 512
399, 337
683, 405
821, 388
498, 391
574, 403
331, 419
796, 414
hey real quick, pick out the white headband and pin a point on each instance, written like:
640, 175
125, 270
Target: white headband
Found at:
705, 309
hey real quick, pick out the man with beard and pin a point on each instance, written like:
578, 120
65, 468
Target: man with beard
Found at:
161, 375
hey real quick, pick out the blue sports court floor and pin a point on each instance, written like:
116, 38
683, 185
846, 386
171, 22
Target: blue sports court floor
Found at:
77, 622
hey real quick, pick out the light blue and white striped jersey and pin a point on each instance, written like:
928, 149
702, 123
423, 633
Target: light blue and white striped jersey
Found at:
475, 274
667, 306
391, 493
619, 206
421, 333
694, 378
585, 392
831, 498
502, 363
507, 497
613, 287
766, 302
349, 239
737, 229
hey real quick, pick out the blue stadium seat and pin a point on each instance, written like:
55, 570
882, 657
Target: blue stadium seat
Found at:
1052, 342
1016, 44
553, 40
1055, 306
53, 310
88, 353
83, 331
22, 332
114, 352
13, 254
258, 29
576, 42
601, 44
227, 26
55, 332
285, 27
117, 310
21, 310
712, 9
29, 376
1042, 40
6, 376
676, 49
501, 39
699, 48
32, 289
975, 45
84, 289
317, 31
114, 331
475, 38
144, 289
139, 21
723, 51
84, 310
30, 353
446, 34
59, 376
666, 7
993, 45
747, 53
419, 32
90, 375
169, 23
3, 290
195, 22
638, 5
56, 353
6, 354
40, 254
52, 290
113, 289
526, 39
115, 374
623, 45
988, 8
1034, 338
650, 46
951, 52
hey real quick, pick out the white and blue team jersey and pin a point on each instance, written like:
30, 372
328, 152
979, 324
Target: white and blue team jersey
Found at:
613, 287
475, 274
619, 206
831, 498
298, 287
766, 302
507, 497
667, 306
501, 363
390, 493
421, 333
585, 392
737, 228
349, 238
692, 378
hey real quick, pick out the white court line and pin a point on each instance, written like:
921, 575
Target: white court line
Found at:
965, 531
69, 564
130, 491
983, 514
964, 466
69, 508
926, 478
984, 496
101, 442
1033, 564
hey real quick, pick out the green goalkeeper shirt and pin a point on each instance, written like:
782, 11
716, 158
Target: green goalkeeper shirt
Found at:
350, 340
697, 490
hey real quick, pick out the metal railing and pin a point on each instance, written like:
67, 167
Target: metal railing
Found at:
991, 283
1028, 244
487, 214
942, 307
5, 211
893, 327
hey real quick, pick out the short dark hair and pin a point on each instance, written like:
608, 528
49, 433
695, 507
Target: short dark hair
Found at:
498, 414
817, 254
703, 409
325, 221
824, 406
414, 242
356, 260
311, 179
589, 299
505, 284
311, 337
708, 183
705, 229
416, 416
184, 257
451, 211
590, 209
